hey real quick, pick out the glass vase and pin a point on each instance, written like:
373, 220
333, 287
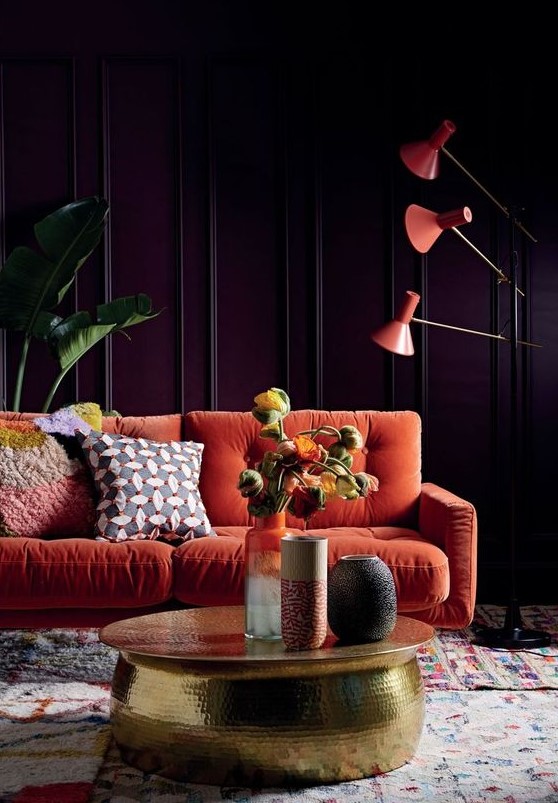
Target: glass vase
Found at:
262, 578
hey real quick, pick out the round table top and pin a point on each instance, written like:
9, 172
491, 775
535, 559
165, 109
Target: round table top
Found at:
217, 634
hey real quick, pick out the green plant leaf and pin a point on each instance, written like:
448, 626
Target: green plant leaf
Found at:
32, 282
126, 311
45, 324
77, 333
74, 342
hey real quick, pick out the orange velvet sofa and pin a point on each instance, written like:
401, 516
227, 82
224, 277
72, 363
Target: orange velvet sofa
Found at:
426, 534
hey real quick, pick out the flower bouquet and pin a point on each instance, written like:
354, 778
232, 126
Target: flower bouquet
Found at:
298, 475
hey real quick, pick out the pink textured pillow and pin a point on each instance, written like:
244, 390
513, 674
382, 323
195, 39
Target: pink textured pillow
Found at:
44, 492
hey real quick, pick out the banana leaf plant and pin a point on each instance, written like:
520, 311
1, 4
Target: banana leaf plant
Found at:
71, 337
33, 283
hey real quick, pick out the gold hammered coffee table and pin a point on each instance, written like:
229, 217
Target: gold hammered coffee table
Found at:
195, 701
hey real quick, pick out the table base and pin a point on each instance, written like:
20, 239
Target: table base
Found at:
268, 725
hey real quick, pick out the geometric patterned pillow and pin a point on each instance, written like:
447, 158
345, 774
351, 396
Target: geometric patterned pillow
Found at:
146, 489
44, 490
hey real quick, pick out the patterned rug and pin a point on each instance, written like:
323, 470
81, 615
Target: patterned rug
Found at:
498, 744
489, 746
453, 661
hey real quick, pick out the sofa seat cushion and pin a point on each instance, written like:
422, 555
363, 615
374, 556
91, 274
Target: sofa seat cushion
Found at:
83, 573
210, 571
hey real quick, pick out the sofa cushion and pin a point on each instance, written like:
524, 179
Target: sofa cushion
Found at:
211, 571
83, 573
147, 489
45, 490
155, 427
391, 452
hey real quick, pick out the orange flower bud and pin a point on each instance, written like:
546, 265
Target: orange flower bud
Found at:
307, 450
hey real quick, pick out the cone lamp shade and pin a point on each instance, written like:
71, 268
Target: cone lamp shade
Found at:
424, 226
423, 158
395, 335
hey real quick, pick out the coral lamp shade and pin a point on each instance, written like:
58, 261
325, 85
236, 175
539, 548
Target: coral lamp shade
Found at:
423, 158
424, 227
395, 335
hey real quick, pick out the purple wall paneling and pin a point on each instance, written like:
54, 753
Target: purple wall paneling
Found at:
3, 253
39, 175
90, 284
353, 168
252, 324
198, 218
301, 230
144, 255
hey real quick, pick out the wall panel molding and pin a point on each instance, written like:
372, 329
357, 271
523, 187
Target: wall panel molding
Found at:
248, 236
142, 180
37, 176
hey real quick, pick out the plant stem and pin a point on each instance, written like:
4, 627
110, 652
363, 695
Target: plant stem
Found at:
283, 500
20, 373
326, 429
330, 460
53, 389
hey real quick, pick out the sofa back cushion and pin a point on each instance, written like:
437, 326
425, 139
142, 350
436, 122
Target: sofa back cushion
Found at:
391, 452
164, 427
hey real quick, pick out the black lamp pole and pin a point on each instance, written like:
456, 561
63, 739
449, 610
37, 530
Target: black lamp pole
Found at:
513, 635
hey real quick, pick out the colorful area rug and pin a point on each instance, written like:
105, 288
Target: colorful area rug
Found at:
498, 744
476, 746
453, 661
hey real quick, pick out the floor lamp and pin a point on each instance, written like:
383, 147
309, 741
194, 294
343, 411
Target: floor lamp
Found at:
423, 228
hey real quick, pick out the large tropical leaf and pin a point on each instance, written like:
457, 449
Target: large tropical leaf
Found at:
32, 282
76, 334
74, 343
126, 311
71, 346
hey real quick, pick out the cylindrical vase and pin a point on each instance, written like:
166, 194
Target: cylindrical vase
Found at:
262, 578
303, 591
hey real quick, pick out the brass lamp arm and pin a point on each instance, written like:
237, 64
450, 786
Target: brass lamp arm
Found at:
501, 275
486, 192
475, 332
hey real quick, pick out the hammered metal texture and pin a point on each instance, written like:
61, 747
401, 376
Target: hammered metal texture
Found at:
259, 715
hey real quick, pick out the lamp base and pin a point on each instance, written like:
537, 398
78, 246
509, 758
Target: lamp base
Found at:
516, 639
513, 636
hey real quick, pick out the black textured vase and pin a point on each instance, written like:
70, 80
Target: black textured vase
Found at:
361, 599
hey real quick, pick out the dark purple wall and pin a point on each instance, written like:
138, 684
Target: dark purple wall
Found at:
249, 154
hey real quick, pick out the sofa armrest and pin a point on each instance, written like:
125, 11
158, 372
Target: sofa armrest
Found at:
451, 523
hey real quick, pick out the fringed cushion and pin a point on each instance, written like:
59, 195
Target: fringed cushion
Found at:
45, 490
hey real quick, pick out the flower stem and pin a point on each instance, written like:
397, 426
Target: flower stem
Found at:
326, 429
331, 459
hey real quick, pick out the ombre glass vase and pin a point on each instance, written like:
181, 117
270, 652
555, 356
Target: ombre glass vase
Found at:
262, 578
